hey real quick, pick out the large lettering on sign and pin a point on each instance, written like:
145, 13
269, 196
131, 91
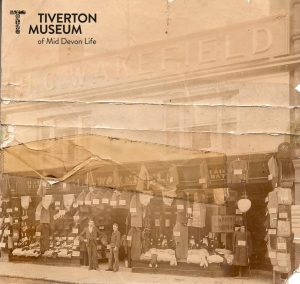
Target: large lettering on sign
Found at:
155, 62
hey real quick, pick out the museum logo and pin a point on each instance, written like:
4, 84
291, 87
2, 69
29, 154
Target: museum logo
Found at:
17, 14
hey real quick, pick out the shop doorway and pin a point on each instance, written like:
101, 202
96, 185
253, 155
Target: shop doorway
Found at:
119, 216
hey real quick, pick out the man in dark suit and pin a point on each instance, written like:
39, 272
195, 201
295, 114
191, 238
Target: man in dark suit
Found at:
90, 237
115, 241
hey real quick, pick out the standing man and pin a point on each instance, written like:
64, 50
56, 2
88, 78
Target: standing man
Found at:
90, 233
113, 262
242, 249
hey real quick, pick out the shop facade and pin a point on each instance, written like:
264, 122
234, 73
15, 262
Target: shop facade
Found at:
233, 101
181, 215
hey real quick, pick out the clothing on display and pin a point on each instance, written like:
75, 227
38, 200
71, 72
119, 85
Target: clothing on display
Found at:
46, 201
284, 195
273, 170
180, 233
283, 228
134, 238
237, 171
199, 215
136, 212
143, 181
25, 200
203, 172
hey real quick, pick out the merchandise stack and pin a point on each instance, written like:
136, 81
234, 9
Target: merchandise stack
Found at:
279, 229
296, 230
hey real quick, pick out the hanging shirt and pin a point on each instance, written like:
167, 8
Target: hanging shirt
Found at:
46, 201
219, 195
145, 198
68, 201
25, 200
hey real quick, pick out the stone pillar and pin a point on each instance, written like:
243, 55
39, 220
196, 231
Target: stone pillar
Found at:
295, 70
296, 163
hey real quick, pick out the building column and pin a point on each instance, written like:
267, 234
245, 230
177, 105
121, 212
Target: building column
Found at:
296, 162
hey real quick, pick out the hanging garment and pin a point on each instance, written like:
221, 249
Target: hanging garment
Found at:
107, 197
199, 215
283, 228
283, 262
80, 198
68, 201
46, 201
211, 210
124, 199
38, 211
272, 199
167, 200
219, 195
203, 168
180, 233
145, 198
272, 252
172, 178
41, 189
284, 195
45, 216
25, 200
273, 170
115, 199
242, 248
136, 212
283, 245
272, 241
143, 181
283, 211
237, 171
134, 241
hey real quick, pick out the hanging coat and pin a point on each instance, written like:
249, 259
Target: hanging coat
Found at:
242, 248
134, 241
136, 212
180, 233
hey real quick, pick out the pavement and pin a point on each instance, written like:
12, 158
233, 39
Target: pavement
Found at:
81, 275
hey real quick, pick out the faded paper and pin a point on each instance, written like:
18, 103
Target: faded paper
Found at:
166, 83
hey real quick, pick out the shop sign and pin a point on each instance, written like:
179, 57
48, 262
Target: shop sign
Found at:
262, 39
217, 173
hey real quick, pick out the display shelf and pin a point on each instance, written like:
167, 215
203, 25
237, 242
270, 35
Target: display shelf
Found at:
183, 269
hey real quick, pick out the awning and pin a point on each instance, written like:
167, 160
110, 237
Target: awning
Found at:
64, 157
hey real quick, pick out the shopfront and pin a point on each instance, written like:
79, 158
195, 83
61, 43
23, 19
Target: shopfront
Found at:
176, 216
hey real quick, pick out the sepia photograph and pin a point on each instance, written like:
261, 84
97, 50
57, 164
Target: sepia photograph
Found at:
148, 142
